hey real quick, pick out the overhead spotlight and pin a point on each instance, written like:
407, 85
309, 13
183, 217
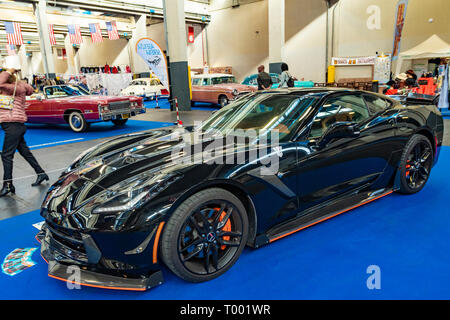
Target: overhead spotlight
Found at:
430, 20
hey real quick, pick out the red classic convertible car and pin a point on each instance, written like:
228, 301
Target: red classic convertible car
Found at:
74, 105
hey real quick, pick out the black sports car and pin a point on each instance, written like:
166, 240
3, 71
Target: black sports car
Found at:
127, 205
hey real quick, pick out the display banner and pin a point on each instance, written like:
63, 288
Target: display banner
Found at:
443, 98
152, 54
399, 22
359, 61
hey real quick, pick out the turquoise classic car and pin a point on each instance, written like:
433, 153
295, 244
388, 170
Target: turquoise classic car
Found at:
251, 81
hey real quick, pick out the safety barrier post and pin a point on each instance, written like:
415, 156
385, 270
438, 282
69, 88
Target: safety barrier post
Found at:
179, 123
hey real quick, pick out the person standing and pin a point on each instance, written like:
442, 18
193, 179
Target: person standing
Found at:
12, 122
286, 80
264, 80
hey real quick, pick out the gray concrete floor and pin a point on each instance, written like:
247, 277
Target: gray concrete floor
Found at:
55, 159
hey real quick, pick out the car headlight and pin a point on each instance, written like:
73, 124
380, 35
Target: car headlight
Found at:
235, 92
135, 194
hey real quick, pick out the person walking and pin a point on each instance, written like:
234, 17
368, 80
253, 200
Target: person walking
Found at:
12, 122
264, 80
286, 80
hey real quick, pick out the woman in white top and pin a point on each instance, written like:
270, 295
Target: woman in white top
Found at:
285, 77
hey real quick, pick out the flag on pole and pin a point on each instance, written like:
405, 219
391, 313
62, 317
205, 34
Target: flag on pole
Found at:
113, 34
75, 34
96, 32
11, 49
13, 33
51, 34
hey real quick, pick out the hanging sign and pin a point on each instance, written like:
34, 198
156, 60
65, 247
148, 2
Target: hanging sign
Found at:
399, 22
152, 54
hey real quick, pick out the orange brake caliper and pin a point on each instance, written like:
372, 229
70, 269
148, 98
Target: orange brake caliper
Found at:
407, 167
226, 227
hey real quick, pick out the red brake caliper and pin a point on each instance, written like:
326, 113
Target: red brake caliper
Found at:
407, 167
226, 227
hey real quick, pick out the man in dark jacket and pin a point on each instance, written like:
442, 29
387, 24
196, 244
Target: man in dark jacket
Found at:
264, 80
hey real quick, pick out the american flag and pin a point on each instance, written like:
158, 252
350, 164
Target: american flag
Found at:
96, 32
13, 33
11, 49
75, 34
51, 34
113, 34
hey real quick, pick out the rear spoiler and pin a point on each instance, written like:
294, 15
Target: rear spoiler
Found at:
415, 99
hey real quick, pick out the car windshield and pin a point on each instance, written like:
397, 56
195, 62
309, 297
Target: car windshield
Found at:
260, 114
220, 80
64, 91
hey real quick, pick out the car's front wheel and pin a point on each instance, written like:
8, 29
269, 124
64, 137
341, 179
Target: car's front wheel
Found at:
223, 101
205, 235
415, 164
77, 122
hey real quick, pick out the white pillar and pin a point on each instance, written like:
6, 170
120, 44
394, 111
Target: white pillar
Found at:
70, 52
276, 34
175, 27
44, 39
137, 64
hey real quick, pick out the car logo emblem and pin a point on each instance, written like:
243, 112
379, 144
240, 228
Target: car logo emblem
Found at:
210, 237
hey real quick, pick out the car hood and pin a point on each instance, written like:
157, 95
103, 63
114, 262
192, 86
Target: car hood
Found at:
95, 98
153, 153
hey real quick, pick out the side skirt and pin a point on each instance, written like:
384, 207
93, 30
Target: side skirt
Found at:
317, 215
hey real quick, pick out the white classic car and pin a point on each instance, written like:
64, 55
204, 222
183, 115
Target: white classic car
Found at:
145, 87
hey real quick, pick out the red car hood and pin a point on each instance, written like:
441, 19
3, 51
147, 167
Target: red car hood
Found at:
99, 99
237, 86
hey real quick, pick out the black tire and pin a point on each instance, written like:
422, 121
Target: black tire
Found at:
223, 101
214, 250
415, 164
119, 122
77, 122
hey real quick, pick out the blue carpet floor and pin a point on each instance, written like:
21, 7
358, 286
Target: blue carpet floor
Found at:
406, 236
165, 105
44, 136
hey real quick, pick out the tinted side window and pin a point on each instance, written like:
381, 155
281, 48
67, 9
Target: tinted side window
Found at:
376, 104
196, 81
348, 108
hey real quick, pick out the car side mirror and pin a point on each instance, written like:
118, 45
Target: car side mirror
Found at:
339, 130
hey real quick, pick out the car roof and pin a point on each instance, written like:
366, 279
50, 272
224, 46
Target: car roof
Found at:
212, 75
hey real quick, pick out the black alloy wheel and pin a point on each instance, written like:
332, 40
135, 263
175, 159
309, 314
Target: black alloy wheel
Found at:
416, 164
205, 235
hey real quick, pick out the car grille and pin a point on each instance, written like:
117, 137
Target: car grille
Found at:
120, 105
67, 237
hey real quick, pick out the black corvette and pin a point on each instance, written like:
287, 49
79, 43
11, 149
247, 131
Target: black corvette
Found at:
126, 206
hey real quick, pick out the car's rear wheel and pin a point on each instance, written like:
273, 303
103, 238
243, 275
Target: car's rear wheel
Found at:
77, 122
119, 122
223, 101
415, 164
205, 235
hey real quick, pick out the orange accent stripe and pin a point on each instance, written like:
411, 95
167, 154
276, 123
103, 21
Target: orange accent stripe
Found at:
155, 243
95, 286
44, 258
37, 239
334, 215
